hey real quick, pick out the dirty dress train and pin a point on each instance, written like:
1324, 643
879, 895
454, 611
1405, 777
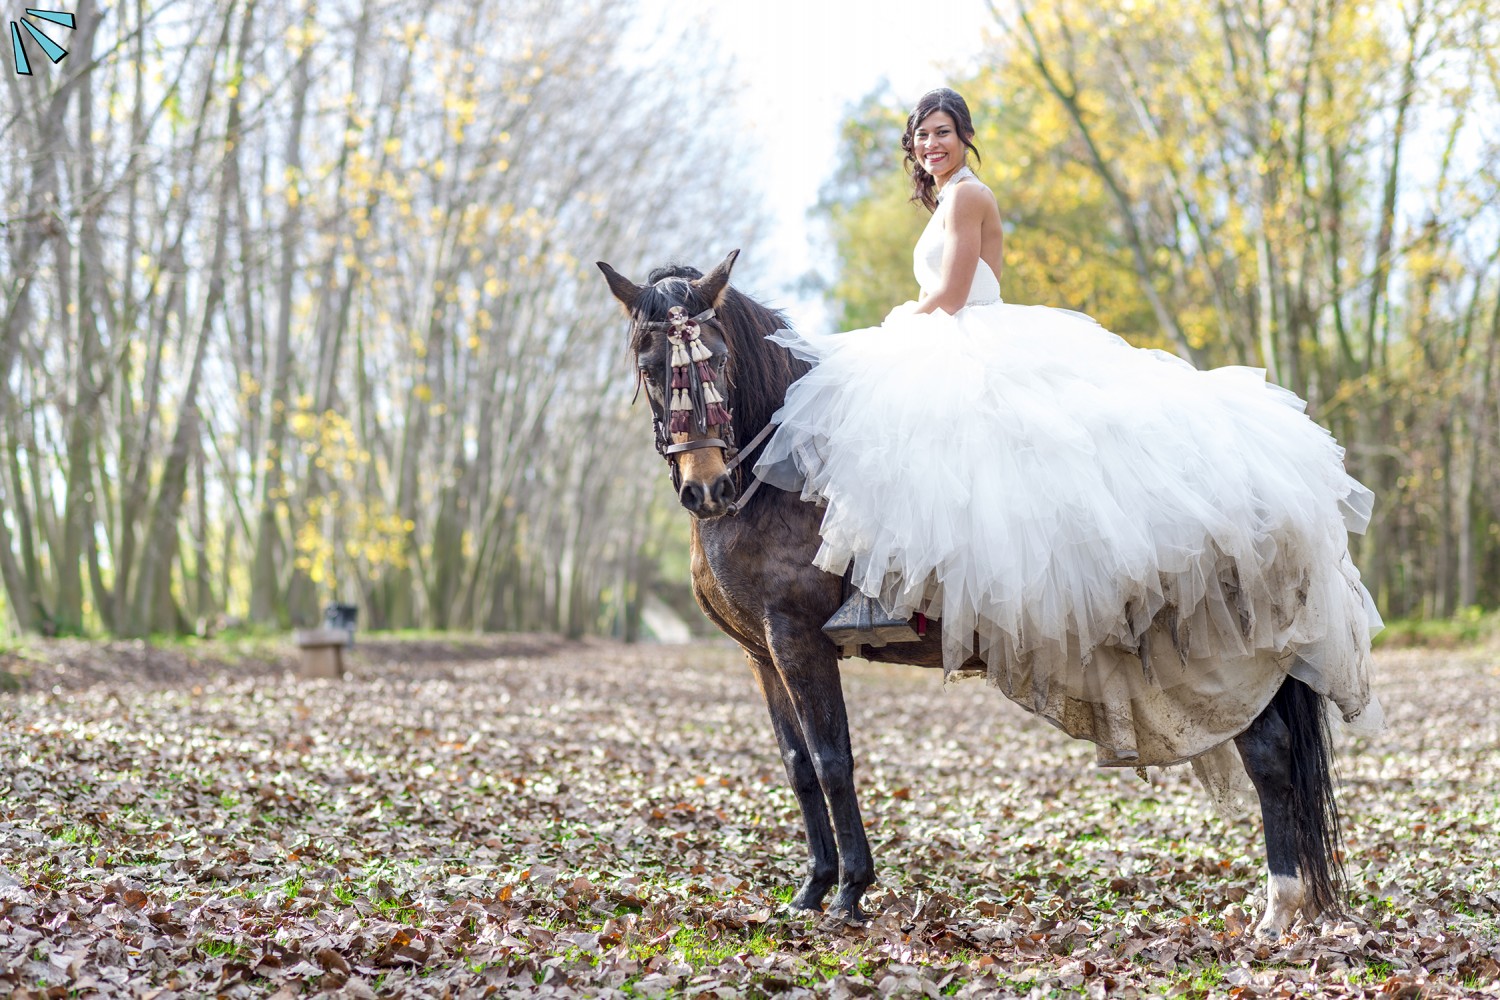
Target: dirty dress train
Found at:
1134, 549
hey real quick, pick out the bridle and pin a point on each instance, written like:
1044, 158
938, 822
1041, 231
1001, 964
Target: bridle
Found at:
693, 401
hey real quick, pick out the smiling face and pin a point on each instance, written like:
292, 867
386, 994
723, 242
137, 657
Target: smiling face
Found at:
938, 137
937, 145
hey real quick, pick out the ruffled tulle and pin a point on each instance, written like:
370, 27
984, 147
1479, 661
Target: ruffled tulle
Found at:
1063, 501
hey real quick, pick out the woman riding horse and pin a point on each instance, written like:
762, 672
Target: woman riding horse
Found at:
1151, 557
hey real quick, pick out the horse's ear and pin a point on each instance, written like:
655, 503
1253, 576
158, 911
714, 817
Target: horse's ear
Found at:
623, 288
716, 282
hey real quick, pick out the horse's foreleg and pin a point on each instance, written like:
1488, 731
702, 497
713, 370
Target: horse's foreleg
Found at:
1286, 753
823, 866
808, 669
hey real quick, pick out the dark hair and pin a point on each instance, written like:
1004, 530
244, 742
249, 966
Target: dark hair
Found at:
947, 101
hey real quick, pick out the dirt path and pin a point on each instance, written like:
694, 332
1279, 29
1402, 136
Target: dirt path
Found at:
599, 820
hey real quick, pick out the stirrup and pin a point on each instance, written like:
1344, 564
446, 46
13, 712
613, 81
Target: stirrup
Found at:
864, 621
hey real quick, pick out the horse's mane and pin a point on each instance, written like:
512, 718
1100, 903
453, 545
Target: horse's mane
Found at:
759, 371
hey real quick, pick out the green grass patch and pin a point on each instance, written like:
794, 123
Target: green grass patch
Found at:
1470, 626
80, 835
828, 964
397, 909
1198, 982
219, 948
1374, 973
231, 646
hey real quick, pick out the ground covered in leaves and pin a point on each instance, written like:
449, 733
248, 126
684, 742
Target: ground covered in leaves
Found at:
537, 818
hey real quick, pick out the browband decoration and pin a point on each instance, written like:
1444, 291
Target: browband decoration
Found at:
694, 392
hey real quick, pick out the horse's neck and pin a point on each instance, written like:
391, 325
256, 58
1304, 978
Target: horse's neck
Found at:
776, 370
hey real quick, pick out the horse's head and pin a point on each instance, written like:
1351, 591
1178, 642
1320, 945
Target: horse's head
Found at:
681, 355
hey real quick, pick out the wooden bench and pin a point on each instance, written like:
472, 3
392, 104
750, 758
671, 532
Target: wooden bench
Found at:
322, 651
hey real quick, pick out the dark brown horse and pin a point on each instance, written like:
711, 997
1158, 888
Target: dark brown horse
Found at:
753, 575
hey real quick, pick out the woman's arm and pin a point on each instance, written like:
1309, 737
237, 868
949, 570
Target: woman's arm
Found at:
961, 243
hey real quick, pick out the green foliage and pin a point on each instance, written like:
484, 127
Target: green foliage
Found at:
1238, 189
1060, 248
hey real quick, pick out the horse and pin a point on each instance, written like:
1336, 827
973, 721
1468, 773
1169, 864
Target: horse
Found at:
711, 379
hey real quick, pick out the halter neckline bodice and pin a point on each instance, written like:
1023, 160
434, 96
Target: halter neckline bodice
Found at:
958, 175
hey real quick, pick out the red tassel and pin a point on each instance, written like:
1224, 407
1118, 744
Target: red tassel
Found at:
717, 415
705, 373
680, 379
680, 421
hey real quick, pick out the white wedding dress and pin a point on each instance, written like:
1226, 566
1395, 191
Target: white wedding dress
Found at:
1064, 502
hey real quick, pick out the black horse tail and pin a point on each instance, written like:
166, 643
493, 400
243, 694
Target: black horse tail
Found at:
1318, 838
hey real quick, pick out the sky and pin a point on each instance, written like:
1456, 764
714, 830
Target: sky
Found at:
801, 67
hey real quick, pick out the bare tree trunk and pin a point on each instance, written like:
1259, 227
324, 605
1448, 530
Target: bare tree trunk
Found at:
266, 600
83, 424
1374, 345
28, 237
1482, 442
152, 607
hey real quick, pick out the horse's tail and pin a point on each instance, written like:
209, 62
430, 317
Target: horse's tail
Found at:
1317, 835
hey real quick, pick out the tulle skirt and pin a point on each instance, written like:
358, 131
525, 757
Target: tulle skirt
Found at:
1137, 550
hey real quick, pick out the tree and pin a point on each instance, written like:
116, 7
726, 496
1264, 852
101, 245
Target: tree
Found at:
300, 305
1237, 183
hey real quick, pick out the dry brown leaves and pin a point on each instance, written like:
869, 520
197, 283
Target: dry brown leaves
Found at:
593, 820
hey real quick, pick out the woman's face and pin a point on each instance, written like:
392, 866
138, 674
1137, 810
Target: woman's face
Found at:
936, 142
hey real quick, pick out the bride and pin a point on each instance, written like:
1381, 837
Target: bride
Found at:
1051, 492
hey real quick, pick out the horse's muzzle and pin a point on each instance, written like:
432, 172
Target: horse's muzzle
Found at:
706, 500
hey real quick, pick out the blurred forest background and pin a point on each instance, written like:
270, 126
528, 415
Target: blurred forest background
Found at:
300, 305
300, 301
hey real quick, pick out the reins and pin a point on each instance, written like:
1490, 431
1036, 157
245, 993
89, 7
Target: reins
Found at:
739, 456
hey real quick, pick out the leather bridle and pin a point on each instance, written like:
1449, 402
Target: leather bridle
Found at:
660, 422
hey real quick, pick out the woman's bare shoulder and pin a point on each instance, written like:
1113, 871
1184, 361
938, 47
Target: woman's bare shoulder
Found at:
972, 198
972, 187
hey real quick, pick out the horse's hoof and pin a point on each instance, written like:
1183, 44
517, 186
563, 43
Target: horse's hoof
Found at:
837, 920
1269, 930
848, 913
810, 896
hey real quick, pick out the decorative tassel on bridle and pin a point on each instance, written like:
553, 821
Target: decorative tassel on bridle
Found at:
696, 401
